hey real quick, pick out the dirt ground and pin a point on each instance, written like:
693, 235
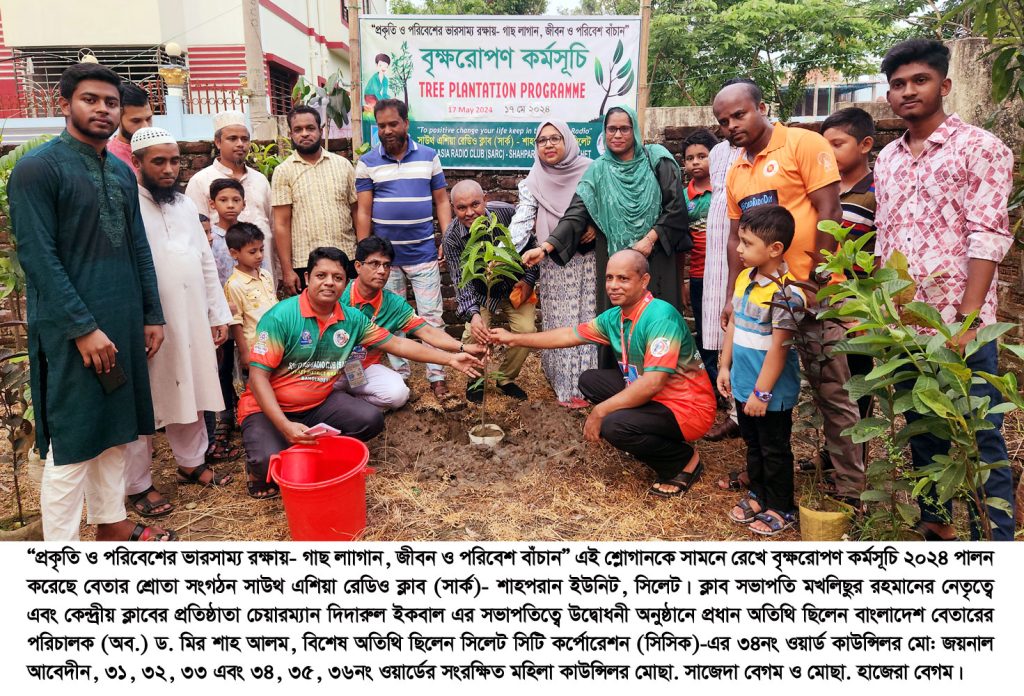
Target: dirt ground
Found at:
543, 483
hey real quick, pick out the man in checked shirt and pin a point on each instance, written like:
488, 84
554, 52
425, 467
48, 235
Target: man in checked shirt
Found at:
942, 191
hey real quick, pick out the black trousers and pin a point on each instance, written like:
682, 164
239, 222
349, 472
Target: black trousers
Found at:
349, 414
649, 432
769, 456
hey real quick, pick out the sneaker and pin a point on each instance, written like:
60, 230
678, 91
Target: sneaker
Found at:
512, 389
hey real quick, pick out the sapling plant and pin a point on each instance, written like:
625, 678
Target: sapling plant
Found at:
489, 259
921, 368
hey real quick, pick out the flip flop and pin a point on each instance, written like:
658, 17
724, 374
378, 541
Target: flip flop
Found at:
683, 481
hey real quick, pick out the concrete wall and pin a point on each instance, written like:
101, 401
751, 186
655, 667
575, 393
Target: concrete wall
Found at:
971, 96
80, 23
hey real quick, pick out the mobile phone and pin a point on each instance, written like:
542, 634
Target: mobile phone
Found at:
113, 380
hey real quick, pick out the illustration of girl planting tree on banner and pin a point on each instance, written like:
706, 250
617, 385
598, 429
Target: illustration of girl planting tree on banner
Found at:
478, 87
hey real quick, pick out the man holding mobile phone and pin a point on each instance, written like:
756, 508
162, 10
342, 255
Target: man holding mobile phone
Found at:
94, 314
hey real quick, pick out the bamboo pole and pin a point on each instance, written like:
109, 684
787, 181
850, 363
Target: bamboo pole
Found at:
357, 79
643, 93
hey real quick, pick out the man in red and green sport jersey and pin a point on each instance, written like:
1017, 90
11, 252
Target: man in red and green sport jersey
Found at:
302, 346
384, 387
660, 396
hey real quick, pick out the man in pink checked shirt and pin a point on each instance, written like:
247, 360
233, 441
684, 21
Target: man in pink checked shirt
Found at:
942, 191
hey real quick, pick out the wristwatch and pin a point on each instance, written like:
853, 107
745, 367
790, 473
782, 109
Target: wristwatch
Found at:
762, 396
462, 347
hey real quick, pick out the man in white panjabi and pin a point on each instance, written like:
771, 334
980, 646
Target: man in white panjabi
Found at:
232, 138
183, 375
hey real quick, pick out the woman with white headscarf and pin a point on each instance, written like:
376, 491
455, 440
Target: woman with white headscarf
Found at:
567, 293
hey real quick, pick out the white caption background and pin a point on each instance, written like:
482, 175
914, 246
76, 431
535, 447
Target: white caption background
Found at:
388, 617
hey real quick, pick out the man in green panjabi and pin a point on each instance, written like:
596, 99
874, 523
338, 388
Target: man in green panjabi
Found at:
94, 314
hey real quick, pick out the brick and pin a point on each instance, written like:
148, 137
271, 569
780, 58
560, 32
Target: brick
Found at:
895, 124
201, 147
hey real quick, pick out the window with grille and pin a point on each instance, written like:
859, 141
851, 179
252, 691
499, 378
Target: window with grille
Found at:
282, 80
38, 69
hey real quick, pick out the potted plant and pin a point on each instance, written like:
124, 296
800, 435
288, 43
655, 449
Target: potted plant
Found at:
917, 368
489, 259
822, 518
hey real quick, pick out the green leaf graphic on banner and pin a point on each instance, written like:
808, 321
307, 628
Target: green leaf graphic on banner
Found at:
618, 53
598, 71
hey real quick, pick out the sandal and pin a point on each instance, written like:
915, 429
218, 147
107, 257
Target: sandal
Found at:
195, 477
144, 506
440, 389
261, 490
807, 465
749, 513
735, 481
222, 449
574, 403
683, 481
776, 524
143, 533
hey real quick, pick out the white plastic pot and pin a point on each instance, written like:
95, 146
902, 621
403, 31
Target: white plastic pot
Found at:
491, 439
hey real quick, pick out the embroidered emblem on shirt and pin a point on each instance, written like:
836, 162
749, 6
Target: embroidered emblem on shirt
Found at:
260, 347
306, 338
825, 161
771, 168
659, 347
340, 338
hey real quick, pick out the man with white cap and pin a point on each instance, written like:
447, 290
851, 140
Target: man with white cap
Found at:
231, 136
183, 376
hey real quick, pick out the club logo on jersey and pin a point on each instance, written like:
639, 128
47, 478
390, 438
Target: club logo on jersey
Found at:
260, 348
340, 338
306, 338
659, 347
771, 168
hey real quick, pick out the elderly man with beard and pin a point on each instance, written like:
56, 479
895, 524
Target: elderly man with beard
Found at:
231, 136
136, 113
93, 310
183, 377
314, 198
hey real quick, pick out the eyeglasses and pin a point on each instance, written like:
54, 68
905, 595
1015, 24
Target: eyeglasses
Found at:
377, 265
618, 130
553, 139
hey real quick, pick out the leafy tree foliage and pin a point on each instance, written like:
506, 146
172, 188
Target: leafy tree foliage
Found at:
696, 45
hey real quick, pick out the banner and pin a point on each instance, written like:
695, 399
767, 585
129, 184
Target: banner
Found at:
478, 87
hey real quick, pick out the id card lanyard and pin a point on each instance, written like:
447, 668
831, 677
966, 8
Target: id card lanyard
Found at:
626, 341
353, 368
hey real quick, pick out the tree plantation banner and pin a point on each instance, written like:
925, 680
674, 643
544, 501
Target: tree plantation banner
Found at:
478, 87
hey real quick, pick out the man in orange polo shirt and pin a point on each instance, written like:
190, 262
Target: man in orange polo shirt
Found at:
794, 168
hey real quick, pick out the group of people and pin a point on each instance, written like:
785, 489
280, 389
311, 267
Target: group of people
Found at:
139, 320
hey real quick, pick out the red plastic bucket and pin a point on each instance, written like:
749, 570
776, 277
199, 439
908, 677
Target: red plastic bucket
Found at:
323, 487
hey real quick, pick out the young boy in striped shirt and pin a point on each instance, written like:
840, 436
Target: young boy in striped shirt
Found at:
761, 370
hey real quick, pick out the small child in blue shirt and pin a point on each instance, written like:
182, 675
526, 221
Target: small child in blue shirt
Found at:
760, 370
